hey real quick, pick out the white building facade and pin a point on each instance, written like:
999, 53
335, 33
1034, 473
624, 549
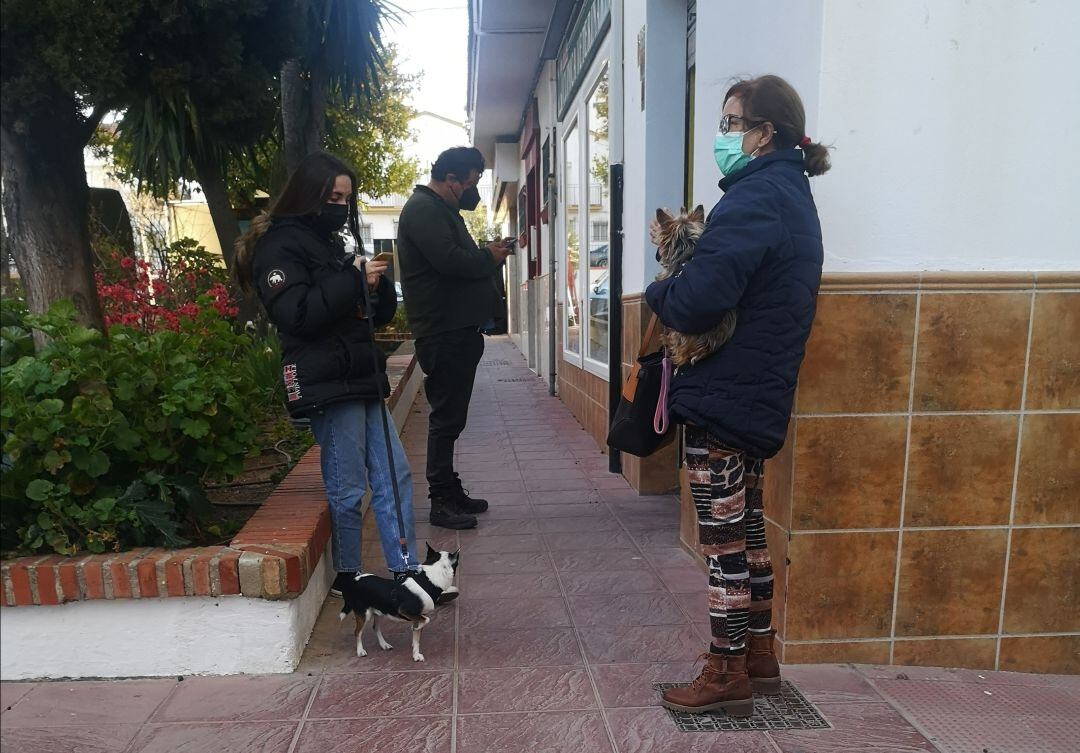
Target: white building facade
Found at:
951, 292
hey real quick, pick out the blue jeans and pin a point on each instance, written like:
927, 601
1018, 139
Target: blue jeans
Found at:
353, 449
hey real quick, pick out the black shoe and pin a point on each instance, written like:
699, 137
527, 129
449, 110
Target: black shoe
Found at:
465, 503
445, 514
339, 580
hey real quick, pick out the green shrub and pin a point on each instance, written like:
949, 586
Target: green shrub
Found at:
106, 440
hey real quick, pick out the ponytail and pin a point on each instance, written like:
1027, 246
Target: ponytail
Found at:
816, 159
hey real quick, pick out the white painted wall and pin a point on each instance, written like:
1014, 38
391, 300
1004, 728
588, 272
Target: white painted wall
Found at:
739, 41
653, 138
956, 128
161, 637
953, 124
433, 135
382, 225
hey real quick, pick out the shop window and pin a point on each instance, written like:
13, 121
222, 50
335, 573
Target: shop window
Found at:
572, 309
595, 275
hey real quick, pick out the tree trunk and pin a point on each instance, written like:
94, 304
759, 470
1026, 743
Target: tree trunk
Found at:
212, 181
293, 91
317, 94
45, 207
303, 109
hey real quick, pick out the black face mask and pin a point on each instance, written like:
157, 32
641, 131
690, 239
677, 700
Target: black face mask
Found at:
331, 218
469, 200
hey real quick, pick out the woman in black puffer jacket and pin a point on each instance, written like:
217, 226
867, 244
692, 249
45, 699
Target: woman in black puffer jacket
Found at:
317, 296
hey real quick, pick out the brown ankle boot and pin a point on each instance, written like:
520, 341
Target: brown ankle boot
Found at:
722, 684
761, 664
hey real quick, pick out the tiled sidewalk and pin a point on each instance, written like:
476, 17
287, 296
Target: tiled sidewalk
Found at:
576, 597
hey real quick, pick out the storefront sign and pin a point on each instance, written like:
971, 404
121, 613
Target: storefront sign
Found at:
579, 48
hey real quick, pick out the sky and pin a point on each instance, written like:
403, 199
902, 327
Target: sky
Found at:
433, 41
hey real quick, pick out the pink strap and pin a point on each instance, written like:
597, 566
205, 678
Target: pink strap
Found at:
660, 418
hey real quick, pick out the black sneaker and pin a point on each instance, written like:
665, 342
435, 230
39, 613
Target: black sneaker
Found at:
467, 504
445, 514
339, 580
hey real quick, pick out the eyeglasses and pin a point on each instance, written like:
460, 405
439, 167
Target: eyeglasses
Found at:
727, 120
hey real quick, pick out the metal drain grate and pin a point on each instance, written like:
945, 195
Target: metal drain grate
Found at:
789, 710
518, 379
495, 362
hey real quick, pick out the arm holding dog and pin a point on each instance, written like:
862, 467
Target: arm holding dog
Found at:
741, 230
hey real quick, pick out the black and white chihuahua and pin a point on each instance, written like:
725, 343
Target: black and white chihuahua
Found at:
412, 599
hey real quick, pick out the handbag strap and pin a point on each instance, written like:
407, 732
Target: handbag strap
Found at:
660, 417
650, 333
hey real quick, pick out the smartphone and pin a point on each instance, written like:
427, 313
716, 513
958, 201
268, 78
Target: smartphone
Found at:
385, 256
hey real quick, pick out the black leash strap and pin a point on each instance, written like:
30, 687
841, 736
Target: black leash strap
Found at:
369, 313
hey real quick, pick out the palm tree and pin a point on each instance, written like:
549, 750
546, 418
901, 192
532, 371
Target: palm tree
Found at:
211, 99
341, 49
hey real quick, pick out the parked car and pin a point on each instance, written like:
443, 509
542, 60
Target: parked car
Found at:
598, 298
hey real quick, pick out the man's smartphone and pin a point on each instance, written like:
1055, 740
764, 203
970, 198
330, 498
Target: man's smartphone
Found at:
385, 256
511, 243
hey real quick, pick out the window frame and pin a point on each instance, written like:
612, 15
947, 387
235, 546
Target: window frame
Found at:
577, 116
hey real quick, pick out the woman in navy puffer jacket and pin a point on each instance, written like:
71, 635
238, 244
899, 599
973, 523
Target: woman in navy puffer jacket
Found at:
760, 254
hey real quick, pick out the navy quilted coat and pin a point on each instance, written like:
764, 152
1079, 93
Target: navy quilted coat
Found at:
760, 254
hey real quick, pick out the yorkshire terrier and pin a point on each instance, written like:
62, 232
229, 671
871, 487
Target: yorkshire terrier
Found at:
675, 237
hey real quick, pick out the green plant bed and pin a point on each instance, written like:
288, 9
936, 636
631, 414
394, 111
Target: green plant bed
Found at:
110, 442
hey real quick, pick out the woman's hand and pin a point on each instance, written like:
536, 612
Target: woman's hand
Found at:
373, 269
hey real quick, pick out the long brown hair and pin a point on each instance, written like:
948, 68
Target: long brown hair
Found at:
306, 191
772, 99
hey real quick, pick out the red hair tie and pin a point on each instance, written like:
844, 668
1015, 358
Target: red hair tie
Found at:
805, 141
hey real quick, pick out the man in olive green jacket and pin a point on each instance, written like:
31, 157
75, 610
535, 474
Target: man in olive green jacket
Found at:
449, 296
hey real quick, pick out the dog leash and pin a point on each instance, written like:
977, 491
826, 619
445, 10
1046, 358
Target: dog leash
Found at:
369, 311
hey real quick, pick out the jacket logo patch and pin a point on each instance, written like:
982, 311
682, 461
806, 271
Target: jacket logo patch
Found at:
292, 382
276, 279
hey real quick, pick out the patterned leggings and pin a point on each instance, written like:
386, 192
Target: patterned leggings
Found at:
726, 487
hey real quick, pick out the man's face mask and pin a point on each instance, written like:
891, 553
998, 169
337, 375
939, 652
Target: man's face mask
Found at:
468, 199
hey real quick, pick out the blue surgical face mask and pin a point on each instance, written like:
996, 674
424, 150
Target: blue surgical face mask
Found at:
728, 153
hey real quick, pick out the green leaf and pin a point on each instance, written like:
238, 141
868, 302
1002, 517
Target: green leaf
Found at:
63, 309
50, 406
159, 452
188, 489
153, 512
39, 489
84, 335
99, 464
196, 428
84, 411
53, 461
